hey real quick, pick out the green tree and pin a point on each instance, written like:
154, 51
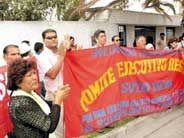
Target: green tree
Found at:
26, 10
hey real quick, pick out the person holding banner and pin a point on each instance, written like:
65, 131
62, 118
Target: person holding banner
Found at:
140, 42
32, 116
100, 38
50, 62
116, 40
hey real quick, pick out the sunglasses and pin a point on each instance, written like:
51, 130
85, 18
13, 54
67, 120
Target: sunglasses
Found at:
51, 37
117, 40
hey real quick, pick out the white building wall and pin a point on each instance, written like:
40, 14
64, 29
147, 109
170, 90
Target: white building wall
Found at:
179, 31
141, 18
15, 32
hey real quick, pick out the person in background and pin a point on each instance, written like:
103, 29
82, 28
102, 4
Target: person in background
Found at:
27, 42
25, 50
50, 62
10, 53
140, 42
73, 46
116, 40
100, 38
149, 40
38, 47
149, 46
181, 41
160, 45
32, 116
172, 44
161, 42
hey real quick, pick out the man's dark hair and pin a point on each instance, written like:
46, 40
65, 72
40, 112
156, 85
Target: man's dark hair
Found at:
71, 37
5, 50
162, 34
38, 46
47, 31
114, 37
149, 39
98, 32
17, 70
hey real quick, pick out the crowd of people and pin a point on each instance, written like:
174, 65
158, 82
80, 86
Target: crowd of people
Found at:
39, 115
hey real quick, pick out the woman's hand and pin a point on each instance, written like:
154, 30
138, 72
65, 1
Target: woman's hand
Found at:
61, 94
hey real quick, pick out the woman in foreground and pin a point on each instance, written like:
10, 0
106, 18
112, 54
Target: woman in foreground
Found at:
32, 116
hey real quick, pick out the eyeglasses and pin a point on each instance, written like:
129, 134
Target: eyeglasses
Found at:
117, 40
51, 37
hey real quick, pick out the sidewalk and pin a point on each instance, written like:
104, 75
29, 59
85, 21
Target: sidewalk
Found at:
167, 124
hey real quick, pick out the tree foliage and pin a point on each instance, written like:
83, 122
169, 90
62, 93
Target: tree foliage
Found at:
26, 10
23, 9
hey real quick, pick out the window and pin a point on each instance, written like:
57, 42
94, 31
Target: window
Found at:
122, 34
147, 31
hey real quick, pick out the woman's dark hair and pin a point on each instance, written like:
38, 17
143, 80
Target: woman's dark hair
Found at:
17, 71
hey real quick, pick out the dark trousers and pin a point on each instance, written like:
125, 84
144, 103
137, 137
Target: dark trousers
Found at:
10, 135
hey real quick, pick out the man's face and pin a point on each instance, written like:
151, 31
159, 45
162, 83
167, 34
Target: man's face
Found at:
174, 45
72, 41
51, 40
117, 41
12, 54
101, 40
162, 37
141, 42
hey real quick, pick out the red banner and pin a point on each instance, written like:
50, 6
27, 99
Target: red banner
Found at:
5, 122
111, 83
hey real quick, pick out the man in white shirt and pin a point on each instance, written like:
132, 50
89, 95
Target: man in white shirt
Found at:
50, 62
161, 43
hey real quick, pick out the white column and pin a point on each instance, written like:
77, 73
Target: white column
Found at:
130, 35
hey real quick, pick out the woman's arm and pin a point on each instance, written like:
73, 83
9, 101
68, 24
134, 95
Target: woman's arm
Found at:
35, 117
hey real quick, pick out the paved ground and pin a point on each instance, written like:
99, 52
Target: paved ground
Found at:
168, 124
